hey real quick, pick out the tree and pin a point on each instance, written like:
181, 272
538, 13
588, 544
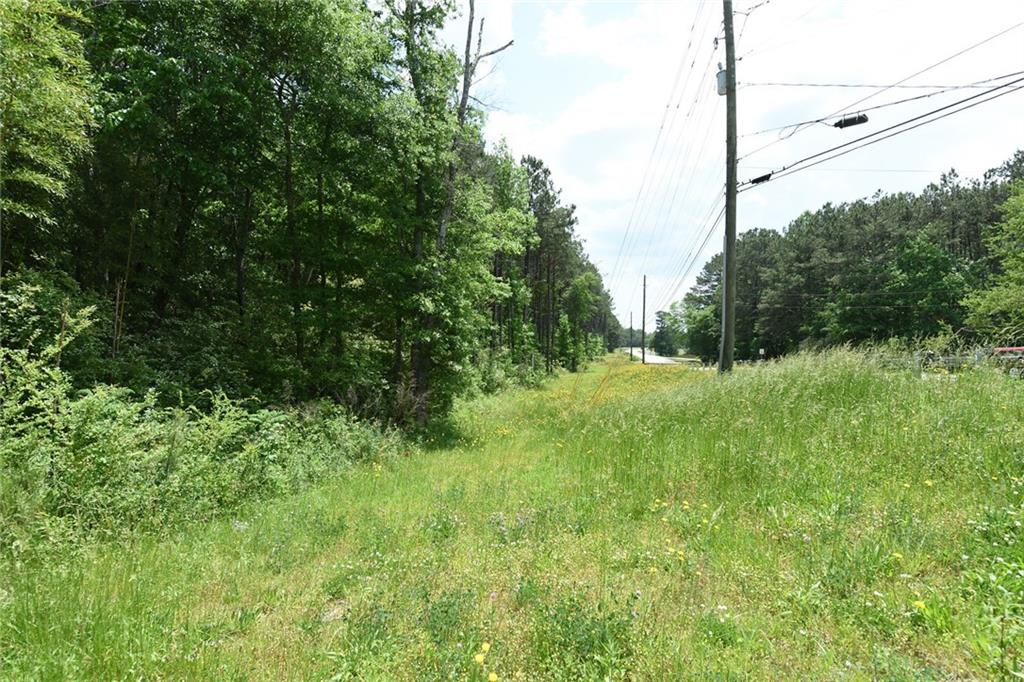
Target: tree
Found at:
998, 310
891, 266
666, 339
287, 200
45, 95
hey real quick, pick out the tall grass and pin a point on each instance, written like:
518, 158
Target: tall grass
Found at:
822, 517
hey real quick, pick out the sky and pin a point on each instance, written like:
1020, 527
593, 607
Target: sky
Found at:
618, 98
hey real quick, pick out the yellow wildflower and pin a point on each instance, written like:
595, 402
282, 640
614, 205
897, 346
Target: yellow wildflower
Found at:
929, 482
493, 677
485, 647
897, 556
920, 605
479, 658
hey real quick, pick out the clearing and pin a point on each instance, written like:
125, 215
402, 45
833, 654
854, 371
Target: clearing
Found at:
821, 517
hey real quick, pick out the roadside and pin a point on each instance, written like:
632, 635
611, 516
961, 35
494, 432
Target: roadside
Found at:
652, 358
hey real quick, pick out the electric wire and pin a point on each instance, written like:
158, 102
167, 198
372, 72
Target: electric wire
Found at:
645, 200
866, 139
673, 161
654, 149
900, 82
976, 84
682, 270
860, 85
669, 201
666, 300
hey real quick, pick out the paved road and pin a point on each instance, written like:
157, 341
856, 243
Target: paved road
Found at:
652, 357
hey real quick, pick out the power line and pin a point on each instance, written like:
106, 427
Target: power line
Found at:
790, 170
669, 111
830, 305
858, 170
932, 66
657, 205
791, 167
975, 84
681, 179
686, 265
860, 85
900, 82
679, 281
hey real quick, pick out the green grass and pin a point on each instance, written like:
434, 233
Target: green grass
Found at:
629, 522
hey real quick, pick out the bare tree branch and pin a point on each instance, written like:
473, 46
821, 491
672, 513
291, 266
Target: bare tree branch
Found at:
495, 51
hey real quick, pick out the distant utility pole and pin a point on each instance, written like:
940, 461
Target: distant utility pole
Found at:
643, 326
631, 336
729, 255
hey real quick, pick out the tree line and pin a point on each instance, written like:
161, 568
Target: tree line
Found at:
944, 264
290, 200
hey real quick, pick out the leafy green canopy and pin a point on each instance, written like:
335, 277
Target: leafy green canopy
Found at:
45, 98
900, 266
280, 199
999, 309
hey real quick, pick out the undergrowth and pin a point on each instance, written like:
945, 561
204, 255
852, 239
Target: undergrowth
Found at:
822, 517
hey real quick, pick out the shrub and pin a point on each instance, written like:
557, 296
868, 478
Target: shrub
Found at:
107, 461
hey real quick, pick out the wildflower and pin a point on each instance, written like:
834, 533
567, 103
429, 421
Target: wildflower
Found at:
907, 486
485, 647
920, 605
493, 677
479, 658
929, 482
897, 556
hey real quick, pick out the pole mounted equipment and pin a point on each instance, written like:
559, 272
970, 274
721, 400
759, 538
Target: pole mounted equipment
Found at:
851, 120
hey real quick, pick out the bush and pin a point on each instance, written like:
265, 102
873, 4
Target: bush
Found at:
106, 461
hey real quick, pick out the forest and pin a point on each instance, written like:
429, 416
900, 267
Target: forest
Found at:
286, 201
941, 269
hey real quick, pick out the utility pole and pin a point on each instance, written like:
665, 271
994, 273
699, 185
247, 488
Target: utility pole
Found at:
729, 254
643, 326
631, 336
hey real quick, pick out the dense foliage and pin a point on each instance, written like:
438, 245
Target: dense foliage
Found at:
287, 200
902, 266
103, 462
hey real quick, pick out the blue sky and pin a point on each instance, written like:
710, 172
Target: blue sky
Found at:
588, 84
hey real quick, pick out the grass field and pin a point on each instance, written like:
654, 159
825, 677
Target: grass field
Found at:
819, 518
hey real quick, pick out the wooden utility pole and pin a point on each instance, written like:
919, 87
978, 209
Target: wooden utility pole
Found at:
643, 326
729, 253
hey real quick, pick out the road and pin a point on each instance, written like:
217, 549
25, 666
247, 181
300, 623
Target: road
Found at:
652, 357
